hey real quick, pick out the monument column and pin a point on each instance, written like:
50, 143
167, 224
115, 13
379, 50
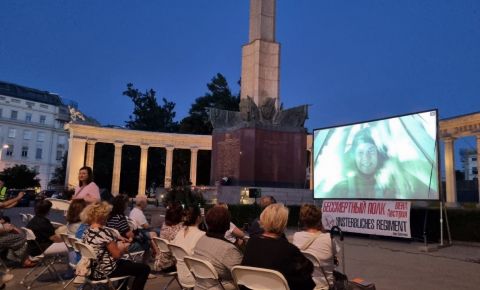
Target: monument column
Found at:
75, 161
142, 178
451, 187
478, 166
90, 153
117, 166
193, 166
168, 167
261, 56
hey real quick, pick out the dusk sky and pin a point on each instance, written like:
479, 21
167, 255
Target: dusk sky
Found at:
351, 60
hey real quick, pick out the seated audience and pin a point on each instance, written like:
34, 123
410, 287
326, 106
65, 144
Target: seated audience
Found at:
234, 234
213, 247
269, 250
316, 241
187, 237
117, 220
109, 253
170, 227
143, 232
12, 241
73, 215
254, 229
49, 242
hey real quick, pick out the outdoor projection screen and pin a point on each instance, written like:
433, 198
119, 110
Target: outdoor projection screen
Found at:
394, 158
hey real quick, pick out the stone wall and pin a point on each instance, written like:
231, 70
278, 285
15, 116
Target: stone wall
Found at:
288, 196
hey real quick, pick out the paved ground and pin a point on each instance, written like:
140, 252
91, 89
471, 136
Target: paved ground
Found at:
390, 264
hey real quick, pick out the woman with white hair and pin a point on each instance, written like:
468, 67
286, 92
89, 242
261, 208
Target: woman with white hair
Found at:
271, 251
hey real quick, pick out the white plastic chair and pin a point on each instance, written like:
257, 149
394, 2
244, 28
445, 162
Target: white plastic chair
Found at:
179, 253
318, 270
42, 260
88, 252
162, 246
69, 240
259, 278
202, 270
24, 218
59, 204
29, 217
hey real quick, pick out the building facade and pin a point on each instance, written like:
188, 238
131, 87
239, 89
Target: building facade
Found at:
31, 129
470, 167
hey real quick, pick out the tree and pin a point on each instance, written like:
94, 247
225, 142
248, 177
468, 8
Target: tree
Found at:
148, 115
219, 96
60, 172
20, 177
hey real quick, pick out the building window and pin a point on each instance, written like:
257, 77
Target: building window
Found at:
41, 136
38, 153
474, 170
36, 168
27, 135
474, 158
43, 118
28, 117
59, 154
12, 132
43, 106
1, 111
30, 104
13, 115
9, 150
62, 139
25, 151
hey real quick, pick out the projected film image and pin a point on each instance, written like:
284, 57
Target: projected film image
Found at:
393, 158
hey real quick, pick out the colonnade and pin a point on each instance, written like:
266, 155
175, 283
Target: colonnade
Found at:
82, 151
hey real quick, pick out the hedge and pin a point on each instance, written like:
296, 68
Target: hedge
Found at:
464, 223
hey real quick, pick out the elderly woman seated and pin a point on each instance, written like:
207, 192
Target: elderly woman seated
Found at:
271, 251
213, 247
107, 249
316, 241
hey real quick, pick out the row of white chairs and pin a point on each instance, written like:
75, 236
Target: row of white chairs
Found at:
251, 277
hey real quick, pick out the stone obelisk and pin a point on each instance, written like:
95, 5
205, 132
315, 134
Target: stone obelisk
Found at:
262, 144
261, 56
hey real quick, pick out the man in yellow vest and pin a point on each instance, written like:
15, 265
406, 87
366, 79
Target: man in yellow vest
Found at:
3, 191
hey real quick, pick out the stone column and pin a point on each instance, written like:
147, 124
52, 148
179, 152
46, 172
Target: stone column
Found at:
90, 153
75, 160
142, 178
168, 167
451, 186
193, 166
478, 168
117, 166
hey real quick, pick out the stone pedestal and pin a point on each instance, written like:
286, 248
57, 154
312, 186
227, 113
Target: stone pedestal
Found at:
259, 157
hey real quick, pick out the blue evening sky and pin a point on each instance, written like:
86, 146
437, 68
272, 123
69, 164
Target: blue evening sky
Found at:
351, 60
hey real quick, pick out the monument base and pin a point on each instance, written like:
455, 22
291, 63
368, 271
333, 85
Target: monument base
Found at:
259, 157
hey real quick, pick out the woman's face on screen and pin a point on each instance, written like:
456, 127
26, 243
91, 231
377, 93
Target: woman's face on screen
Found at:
366, 158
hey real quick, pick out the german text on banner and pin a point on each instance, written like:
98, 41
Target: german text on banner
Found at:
384, 218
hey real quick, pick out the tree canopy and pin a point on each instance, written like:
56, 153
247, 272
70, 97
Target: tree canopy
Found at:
218, 96
147, 114
20, 177
60, 172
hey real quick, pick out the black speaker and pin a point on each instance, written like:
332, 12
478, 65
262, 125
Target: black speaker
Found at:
254, 192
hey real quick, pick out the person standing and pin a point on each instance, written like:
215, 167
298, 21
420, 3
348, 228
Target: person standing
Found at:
86, 189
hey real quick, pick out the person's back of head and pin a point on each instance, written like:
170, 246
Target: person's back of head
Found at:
266, 201
173, 215
218, 220
274, 218
74, 210
141, 201
310, 216
96, 213
42, 207
119, 205
191, 216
